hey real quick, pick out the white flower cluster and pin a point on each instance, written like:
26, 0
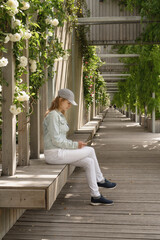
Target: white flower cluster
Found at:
13, 4
23, 96
3, 62
16, 22
25, 6
50, 34
33, 66
14, 37
14, 110
51, 21
23, 61
17, 36
27, 34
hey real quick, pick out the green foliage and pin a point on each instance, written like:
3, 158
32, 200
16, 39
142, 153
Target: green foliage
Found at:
92, 78
149, 9
144, 79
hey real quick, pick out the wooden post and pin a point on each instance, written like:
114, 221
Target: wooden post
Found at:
35, 132
140, 120
145, 121
136, 115
9, 120
23, 123
94, 103
153, 115
43, 108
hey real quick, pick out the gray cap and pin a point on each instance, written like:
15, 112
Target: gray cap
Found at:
67, 94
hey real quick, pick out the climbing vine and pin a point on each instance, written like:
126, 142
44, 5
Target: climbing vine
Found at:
150, 10
92, 78
144, 79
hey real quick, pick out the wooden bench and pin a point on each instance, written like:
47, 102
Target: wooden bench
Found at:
38, 185
90, 127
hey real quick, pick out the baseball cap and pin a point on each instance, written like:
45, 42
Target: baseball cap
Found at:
67, 94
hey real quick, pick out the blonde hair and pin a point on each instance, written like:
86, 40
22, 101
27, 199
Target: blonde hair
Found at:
55, 104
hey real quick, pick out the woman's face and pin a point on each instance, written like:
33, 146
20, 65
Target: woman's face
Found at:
64, 105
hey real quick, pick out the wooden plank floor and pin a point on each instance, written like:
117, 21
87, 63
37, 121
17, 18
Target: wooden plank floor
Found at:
129, 155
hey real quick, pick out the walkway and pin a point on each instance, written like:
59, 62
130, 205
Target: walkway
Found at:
128, 155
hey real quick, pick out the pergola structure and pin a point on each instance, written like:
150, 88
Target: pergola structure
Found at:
109, 26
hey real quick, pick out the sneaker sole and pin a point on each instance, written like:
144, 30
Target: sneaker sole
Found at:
108, 188
98, 204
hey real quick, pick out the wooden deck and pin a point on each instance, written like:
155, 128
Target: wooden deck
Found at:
128, 155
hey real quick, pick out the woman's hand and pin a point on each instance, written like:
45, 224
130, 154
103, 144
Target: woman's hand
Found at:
81, 144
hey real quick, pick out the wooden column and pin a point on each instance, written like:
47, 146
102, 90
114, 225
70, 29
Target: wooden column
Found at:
23, 123
9, 120
140, 122
35, 132
94, 103
153, 115
136, 114
43, 108
145, 121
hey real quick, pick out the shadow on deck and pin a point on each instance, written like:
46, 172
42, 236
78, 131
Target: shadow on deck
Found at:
128, 155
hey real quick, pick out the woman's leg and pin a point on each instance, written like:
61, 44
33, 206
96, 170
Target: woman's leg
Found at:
81, 158
88, 165
70, 156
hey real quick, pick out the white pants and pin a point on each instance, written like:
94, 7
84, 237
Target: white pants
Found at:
84, 157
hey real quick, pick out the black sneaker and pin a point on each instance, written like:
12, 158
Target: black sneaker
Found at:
95, 201
107, 184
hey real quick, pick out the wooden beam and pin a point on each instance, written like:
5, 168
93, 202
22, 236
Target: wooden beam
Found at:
23, 121
120, 42
115, 64
112, 91
111, 84
112, 55
35, 131
113, 79
9, 120
112, 20
115, 75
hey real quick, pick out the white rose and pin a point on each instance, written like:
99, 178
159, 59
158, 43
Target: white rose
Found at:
50, 34
27, 34
47, 21
13, 12
18, 110
15, 37
16, 23
54, 22
26, 5
23, 96
14, 110
31, 61
33, 66
3, 62
12, 3
23, 61
7, 39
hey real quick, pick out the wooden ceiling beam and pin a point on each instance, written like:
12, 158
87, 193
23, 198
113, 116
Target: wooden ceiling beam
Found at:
112, 20
112, 55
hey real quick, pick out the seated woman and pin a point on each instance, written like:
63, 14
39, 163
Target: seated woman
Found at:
60, 150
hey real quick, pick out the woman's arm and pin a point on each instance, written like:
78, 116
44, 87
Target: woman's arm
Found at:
57, 138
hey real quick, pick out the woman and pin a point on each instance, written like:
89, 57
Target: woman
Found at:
60, 150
